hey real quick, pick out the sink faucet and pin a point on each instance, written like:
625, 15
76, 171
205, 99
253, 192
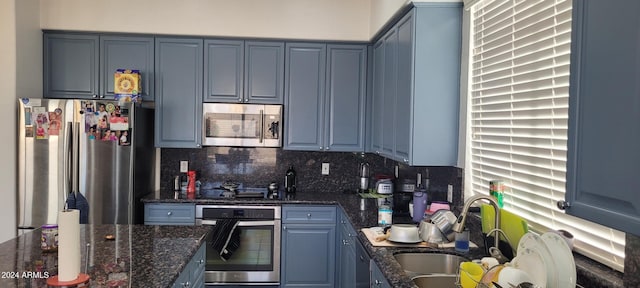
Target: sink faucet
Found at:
459, 225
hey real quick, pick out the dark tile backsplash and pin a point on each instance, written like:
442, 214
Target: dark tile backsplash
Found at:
257, 167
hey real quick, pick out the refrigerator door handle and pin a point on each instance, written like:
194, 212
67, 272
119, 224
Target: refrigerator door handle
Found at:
75, 158
68, 160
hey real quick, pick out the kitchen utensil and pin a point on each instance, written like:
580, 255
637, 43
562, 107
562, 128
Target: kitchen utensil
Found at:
563, 258
229, 186
534, 257
419, 204
511, 224
429, 232
363, 174
384, 186
509, 275
290, 181
404, 233
272, 192
470, 274
444, 219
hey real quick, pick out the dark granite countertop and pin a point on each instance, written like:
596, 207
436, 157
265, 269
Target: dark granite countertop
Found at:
140, 256
590, 274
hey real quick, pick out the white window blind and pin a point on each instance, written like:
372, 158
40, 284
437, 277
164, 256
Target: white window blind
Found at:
517, 116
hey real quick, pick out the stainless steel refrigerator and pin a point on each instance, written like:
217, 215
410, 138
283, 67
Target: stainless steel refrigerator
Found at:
98, 148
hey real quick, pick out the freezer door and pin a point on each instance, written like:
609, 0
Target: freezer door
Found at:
105, 160
44, 163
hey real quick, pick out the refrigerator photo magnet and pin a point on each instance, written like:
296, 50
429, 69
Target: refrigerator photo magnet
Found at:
40, 118
55, 122
125, 138
119, 120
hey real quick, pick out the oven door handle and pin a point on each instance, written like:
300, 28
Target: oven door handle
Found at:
201, 222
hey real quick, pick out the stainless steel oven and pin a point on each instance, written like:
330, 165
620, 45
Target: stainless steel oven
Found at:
256, 261
245, 125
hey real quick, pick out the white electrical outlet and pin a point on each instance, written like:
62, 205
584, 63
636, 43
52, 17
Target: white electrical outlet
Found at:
184, 166
325, 168
450, 193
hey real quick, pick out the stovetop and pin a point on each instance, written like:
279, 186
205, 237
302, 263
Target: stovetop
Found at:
219, 193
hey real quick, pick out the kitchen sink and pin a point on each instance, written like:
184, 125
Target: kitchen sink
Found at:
431, 269
430, 263
440, 281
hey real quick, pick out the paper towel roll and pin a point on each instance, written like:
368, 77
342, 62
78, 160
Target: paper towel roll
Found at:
68, 245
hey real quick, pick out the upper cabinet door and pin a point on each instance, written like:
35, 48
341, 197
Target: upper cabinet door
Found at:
404, 91
264, 72
122, 52
389, 91
603, 159
345, 98
304, 96
71, 66
377, 97
224, 71
178, 103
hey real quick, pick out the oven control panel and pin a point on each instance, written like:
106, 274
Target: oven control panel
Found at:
212, 213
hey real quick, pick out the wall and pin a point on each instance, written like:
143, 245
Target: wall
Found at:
299, 19
7, 116
21, 61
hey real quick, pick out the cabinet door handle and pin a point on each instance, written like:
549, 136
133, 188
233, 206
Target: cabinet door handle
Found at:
169, 213
94, 96
320, 147
377, 282
246, 100
308, 215
326, 148
239, 99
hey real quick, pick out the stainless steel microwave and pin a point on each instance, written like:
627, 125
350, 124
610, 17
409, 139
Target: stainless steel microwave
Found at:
244, 125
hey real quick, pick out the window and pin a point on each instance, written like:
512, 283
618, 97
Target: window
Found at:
519, 54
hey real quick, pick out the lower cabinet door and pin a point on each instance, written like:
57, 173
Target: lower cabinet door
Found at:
308, 255
377, 278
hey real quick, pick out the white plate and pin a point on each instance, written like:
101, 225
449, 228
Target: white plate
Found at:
563, 258
534, 242
530, 261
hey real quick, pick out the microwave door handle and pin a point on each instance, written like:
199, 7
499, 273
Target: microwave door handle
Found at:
262, 126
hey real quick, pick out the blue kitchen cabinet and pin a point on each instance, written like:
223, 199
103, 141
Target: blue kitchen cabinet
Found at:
83, 65
178, 105
169, 214
193, 273
363, 274
224, 71
126, 52
603, 159
378, 280
71, 65
378, 111
346, 272
325, 97
345, 98
264, 72
418, 61
304, 107
308, 255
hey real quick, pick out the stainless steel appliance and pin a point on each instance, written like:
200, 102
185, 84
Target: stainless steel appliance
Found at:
257, 258
97, 148
245, 125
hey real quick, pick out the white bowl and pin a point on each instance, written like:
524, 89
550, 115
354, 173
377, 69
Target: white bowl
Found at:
510, 276
404, 233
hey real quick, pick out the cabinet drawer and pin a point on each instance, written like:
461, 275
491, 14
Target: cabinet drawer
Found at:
158, 214
308, 214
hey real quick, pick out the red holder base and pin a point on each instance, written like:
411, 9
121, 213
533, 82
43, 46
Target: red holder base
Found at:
82, 279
